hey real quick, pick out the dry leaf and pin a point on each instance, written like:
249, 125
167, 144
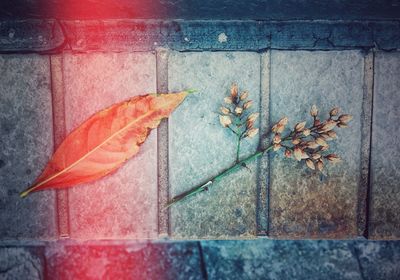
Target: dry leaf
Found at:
105, 141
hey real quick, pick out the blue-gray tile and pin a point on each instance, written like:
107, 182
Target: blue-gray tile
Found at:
26, 143
199, 148
305, 203
385, 154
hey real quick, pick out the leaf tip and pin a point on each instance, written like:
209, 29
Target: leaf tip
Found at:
191, 90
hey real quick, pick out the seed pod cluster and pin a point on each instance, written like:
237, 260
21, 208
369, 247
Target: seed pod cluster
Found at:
309, 144
236, 114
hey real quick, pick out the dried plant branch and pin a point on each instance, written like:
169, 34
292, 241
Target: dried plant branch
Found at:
308, 144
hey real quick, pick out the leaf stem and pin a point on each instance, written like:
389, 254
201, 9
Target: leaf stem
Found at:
209, 183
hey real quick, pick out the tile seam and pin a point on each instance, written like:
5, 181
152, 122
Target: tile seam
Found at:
59, 133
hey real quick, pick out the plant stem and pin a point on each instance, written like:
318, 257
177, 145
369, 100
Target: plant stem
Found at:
238, 149
217, 178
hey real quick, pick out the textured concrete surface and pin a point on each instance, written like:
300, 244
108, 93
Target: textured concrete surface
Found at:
207, 9
385, 154
267, 259
123, 204
18, 262
127, 261
49, 36
26, 143
255, 259
378, 260
273, 259
200, 148
304, 203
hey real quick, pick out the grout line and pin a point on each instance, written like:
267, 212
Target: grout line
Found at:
162, 146
203, 266
59, 133
366, 134
263, 174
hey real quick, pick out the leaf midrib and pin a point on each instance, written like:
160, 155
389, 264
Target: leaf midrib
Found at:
90, 152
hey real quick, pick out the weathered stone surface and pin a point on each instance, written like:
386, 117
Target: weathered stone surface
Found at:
123, 204
304, 203
379, 260
30, 35
21, 263
211, 10
273, 259
126, 261
26, 143
385, 155
199, 148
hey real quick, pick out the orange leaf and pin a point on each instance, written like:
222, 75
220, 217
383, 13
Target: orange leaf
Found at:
105, 141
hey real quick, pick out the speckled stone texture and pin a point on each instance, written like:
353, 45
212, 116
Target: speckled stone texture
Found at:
379, 260
162, 261
273, 259
385, 154
305, 203
22, 263
123, 204
200, 148
26, 143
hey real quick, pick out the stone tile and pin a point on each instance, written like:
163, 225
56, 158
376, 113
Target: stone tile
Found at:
26, 143
22, 263
123, 204
199, 148
126, 261
385, 155
306, 204
279, 259
379, 260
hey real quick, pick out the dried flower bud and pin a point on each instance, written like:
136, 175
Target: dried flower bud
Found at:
300, 126
304, 155
277, 128
345, 118
332, 134
314, 111
320, 165
277, 139
320, 141
342, 125
329, 125
228, 100
306, 132
317, 122
244, 95
333, 158
312, 145
296, 141
288, 153
316, 156
225, 120
324, 148
249, 124
277, 146
238, 110
234, 92
334, 111
253, 117
225, 110
247, 104
283, 121
252, 132
325, 136
310, 164
297, 152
